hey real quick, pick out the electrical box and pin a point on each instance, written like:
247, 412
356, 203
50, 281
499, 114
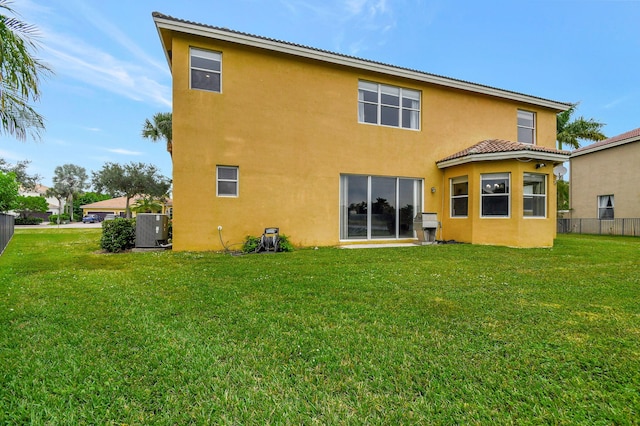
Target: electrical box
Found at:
152, 230
426, 225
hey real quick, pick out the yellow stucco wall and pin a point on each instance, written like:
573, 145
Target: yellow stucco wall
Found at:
291, 126
515, 230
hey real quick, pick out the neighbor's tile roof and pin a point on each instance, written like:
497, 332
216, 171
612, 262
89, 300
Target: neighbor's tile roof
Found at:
498, 145
631, 135
324, 51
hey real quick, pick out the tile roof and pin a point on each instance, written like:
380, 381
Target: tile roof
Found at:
629, 136
561, 105
492, 146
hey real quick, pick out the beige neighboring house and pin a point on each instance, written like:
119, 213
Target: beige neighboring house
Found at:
117, 206
53, 206
604, 178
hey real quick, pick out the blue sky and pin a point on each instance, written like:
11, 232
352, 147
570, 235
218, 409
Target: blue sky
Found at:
111, 74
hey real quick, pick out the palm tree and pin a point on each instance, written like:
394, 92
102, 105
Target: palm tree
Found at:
19, 76
570, 131
147, 205
160, 128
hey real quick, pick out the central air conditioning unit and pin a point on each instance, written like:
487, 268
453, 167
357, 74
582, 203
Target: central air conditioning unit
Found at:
152, 230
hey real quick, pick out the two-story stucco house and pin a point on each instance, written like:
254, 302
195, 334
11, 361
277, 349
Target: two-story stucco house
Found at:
338, 150
604, 178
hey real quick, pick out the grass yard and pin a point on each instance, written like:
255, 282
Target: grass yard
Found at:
451, 334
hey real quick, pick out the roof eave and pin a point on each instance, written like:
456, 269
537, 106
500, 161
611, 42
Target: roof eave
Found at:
302, 51
589, 150
510, 155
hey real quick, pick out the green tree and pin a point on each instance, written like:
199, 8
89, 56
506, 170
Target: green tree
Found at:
53, 192
26, 205
25, 180
8, 191
130, 180
569, 131
20, 74
562, 187
159, 128
147, 204
70, 180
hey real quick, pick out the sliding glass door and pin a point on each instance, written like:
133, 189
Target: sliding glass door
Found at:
377, 207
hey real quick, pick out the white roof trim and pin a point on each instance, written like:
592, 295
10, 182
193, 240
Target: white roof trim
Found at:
589, 150
247, 40
508, 155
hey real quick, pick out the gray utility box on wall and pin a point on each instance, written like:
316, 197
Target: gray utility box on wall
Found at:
152, 229
426, 225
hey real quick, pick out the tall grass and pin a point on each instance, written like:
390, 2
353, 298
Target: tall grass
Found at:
450, 334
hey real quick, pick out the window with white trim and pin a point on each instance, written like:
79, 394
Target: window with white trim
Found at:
526, 126
534, 202
460, 196
206, 70
605, 207
495, 194
386, 105
227, 181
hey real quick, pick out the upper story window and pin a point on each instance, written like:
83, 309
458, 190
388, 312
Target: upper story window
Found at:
526, 126
388, 105
534, 195
206, 70
460, 196
605, 207
495, 194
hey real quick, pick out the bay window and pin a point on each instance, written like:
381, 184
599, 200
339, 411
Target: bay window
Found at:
495, 194
535, 195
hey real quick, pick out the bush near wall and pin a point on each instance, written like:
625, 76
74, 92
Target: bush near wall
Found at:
63, 218
118, 235
28, 221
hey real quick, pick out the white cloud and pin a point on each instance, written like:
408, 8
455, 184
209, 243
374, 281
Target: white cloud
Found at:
76, 59
124, 69
124, 151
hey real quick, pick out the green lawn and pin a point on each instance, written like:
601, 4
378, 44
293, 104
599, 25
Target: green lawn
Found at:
449, 334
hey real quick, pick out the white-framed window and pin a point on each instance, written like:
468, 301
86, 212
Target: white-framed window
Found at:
386, 105
495, 195
534, 195
206, 70
526, 126
378, 207
605, 207
227, 180
460, 196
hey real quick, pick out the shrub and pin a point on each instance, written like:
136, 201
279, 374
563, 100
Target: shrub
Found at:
118, 235
285, 244
28, 221
252, 243
64, 217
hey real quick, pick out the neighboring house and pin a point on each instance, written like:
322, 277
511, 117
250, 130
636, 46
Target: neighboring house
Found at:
337, 150
118, 206
604, 178
53, 205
